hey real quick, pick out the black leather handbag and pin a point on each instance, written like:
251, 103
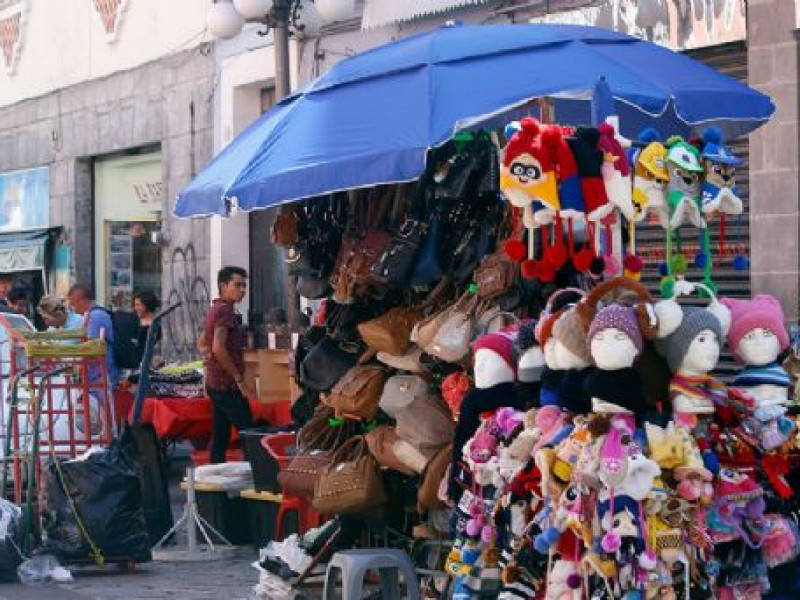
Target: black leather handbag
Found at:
396, 264
327, 362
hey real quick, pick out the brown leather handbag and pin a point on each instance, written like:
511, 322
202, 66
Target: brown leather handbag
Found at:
351, 483
362, 246
315, 452
286, 228
358, 392
428, 494
381, 442
391, 331
495, 276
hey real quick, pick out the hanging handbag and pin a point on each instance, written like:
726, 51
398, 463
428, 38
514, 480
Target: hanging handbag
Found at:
361, 248
451, 343
391, 331
327, 362
382, 442
452, 177
423, 420
428, 268
313, 287
351, 483
496, 276
285, 231
397, 263
316, 443
299, 260
428, 494
358, 392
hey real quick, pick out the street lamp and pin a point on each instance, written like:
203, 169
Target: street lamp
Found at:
226, 19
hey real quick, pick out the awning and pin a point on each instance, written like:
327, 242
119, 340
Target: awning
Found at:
379, 13
25, 250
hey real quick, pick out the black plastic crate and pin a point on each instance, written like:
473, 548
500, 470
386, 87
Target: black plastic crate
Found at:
263, 518
225, 514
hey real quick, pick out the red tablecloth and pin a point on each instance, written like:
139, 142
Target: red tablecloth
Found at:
188, 419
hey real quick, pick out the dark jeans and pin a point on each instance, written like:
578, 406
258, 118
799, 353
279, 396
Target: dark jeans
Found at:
228, 408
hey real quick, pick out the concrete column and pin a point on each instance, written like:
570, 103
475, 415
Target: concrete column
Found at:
772, 53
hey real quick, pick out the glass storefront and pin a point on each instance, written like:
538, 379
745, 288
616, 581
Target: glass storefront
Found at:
128, 194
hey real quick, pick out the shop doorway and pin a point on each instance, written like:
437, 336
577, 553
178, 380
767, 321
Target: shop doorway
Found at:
128, 193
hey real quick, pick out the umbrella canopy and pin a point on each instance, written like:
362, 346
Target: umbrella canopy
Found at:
372, 118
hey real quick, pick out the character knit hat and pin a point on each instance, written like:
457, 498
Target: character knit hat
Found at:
619, 317
763, 311
568, 331
501, 344
675, 346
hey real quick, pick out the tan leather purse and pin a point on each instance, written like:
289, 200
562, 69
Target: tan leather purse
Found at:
391, 331
351, 483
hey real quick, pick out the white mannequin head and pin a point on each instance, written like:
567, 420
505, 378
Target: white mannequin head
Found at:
758, 347
566, 359
612, 349
491, 369
702, 355
550, 358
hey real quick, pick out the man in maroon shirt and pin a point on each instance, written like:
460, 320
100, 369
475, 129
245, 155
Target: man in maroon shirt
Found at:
224, 361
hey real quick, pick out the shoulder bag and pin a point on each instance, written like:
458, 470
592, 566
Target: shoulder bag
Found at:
381, 442
451, 343
316, 443
358, 392
428, 494
423, 420
351, 483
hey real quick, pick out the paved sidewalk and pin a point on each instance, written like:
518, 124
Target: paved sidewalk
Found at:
230, 579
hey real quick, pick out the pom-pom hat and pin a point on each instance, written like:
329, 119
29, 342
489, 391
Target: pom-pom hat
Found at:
715, 150
619, 317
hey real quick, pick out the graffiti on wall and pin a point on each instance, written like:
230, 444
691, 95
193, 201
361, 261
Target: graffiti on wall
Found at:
677, 24
184, 326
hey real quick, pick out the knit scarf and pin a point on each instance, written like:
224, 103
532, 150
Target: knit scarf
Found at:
698, 386
771, 374
622, 387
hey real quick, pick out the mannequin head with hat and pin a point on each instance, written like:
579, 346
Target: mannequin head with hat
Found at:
495, 360
757, 336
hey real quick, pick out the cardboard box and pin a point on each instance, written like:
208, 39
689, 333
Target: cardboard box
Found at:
268, 371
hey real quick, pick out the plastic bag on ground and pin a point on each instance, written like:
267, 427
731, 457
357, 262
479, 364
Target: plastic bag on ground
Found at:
105, 493
10, 540
43, 569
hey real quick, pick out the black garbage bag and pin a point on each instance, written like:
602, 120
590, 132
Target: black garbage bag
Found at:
97, 496
10, 540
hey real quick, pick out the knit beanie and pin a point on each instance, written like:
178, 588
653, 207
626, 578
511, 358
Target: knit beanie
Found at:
529, 165
589, 159
619, 317
569, 332
762, 311
675, 346
501, 344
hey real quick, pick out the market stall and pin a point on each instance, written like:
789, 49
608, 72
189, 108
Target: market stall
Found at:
486, 356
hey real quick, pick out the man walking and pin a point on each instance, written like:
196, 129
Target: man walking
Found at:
224, 339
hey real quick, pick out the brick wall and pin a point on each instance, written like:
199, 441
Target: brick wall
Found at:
774, 183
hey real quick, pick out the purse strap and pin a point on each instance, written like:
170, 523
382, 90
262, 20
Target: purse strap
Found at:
351, 450
436, 294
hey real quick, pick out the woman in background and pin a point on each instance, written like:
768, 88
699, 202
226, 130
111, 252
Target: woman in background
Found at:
145, 305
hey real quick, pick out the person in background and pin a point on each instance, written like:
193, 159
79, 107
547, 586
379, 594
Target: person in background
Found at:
56, 315
98, 324
222, 344
145, 305
5, 285
18, 300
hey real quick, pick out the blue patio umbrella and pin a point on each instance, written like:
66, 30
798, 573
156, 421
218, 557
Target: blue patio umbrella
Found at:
372, 118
